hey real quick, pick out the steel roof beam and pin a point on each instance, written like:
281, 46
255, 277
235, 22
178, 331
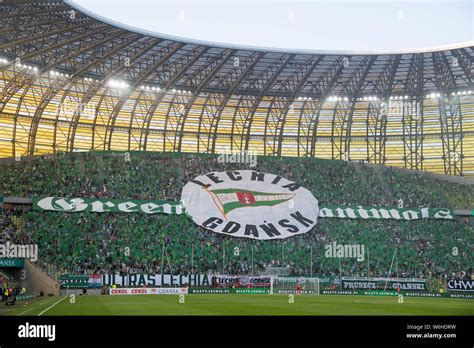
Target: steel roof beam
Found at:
165, 53
118, 66
180, 68
266, 78
210, 71
216, 102
298, 78
62, 84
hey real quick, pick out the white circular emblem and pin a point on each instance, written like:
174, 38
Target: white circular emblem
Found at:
250, 204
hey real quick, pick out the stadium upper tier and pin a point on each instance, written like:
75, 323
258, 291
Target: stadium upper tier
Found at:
69, 82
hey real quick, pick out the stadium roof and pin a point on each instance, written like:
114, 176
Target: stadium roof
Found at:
71, 82
139, 11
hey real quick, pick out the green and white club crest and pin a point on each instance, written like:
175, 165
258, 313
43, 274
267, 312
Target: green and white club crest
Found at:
250, 204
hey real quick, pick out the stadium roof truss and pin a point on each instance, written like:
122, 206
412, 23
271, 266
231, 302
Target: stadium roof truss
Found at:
71, 82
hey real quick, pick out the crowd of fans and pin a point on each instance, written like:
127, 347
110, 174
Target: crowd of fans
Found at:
134, 242
151, 175
173, 244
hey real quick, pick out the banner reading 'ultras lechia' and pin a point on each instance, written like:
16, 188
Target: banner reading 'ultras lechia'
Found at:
250, 204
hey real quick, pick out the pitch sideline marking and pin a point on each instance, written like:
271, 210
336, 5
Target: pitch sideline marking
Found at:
24, 311
33, 306
47, 309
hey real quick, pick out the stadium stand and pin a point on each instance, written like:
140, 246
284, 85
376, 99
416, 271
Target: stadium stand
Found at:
370, 129
84, 242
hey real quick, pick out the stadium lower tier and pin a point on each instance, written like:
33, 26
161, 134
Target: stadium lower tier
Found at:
174, 244
75, 242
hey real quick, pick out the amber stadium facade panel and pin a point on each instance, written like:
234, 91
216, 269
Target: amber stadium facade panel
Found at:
72, 81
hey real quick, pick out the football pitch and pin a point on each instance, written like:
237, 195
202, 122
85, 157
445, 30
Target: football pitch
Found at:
197, 304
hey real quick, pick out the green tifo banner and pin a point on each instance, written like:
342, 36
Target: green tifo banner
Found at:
80, 281
103, 205
358, 212
74, 281
8, 262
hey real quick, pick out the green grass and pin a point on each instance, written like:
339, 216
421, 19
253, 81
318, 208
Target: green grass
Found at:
240, 305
